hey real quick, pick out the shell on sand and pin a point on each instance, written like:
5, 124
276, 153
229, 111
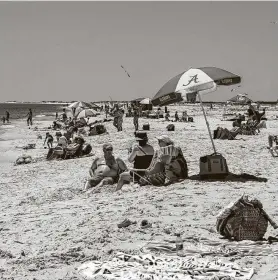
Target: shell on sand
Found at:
46, 214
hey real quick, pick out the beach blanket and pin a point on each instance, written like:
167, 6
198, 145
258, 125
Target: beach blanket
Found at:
133, 267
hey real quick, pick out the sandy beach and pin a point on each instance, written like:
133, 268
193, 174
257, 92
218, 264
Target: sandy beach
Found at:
49, 227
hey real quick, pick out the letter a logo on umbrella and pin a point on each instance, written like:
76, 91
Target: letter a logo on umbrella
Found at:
193, 78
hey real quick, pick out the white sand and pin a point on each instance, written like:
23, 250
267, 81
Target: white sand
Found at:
45, 213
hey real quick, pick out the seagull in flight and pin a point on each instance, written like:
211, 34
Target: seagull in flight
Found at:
274, 22
125, 71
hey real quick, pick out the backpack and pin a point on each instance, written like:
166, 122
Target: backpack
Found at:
170, 127
97, 130
243, 220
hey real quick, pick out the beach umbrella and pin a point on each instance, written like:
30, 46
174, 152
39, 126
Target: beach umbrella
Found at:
81, 104
195, 81
87, 113
146, 101
241, 99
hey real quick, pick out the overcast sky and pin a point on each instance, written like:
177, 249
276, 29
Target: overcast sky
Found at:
74, 51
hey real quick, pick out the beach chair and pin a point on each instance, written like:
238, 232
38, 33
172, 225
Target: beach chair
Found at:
72, 150
154, 174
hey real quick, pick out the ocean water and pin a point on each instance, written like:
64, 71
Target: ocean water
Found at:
20, 110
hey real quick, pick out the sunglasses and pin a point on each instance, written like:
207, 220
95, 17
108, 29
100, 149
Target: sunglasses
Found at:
109, 149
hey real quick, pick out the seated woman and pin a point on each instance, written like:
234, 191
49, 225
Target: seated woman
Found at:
141, 155
184, 117
175, 163
106, 170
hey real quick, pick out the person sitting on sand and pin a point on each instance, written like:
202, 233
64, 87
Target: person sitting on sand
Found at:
175, 163
184, 117
167, 116
62, 141
49, 140
106, 170
141, 155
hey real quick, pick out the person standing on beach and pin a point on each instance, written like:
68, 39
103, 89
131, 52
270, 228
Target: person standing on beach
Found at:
135, 118
64, 115
7, 116
120, 120
30, 117
4, 119
56, 115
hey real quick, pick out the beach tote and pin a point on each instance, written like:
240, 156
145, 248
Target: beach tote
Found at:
213, 166
170, 127
243, 219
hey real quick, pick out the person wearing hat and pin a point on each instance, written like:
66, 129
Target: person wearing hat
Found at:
141, 155
105, 170
175, 164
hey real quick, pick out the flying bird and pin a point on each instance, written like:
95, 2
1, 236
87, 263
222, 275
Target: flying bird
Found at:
125, 71
274, 22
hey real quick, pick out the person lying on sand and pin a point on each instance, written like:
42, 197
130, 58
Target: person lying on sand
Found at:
106, 170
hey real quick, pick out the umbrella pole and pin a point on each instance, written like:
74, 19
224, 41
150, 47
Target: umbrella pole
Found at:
207, 122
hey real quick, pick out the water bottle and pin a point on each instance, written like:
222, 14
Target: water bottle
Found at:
179, 243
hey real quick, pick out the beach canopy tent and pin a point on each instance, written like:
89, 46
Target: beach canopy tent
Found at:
195, 81
240, 99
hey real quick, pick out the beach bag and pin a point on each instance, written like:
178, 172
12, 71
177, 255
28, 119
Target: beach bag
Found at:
213, 166
170, 127
146, 126
97, 130
243, 220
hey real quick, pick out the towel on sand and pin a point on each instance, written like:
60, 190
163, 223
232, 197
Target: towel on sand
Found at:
133, 267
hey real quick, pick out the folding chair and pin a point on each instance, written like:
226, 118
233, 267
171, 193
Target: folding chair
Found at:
71, 150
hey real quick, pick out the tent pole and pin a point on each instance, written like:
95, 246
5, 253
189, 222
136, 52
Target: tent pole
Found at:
207, 122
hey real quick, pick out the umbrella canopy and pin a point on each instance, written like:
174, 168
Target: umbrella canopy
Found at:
192, 82
240, 99
137, 99
87, 113
201, 80
80, 104
146, 101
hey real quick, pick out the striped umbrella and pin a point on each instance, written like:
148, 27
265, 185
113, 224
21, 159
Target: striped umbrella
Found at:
81, 104
146, 101
193, 82
87, 113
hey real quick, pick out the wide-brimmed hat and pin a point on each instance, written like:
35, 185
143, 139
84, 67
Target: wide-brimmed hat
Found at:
165, 139
141, 136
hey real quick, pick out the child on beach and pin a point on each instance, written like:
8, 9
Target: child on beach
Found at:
4, 119
49, 140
